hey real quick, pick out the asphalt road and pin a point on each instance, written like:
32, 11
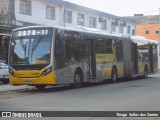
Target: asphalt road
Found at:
132, 95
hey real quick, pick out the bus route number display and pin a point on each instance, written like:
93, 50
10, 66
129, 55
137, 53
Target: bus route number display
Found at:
31, 32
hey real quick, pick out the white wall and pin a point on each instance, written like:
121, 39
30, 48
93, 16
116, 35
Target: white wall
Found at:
87, 20
38, 15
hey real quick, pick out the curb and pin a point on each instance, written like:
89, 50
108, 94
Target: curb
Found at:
8, 88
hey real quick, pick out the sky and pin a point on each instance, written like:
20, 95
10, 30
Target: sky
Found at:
122, 7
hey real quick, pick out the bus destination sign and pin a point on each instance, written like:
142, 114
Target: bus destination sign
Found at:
32, 32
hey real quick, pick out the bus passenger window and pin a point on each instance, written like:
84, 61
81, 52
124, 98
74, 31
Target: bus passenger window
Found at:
77, 47
61, 58
119, 52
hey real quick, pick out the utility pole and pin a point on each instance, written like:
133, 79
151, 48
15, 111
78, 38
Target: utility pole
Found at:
159, 25
159, 40
159, 31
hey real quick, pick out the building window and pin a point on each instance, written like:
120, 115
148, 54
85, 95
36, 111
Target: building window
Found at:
25, 7
113, 26
157, 32
93, 22
68, 16
121, 27
104, 24
50, 12
81, 19
129, 29
147, 32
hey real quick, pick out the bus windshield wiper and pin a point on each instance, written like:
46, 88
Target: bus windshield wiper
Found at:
35, 44
24, 46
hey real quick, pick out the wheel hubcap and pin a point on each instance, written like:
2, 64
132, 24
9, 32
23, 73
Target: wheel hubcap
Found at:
77, 78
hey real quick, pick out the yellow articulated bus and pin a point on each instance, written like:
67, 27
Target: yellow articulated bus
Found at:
41, 56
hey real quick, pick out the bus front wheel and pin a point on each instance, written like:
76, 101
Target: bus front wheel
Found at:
145, 74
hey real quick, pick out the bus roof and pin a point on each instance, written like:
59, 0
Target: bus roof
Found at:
141, 39
84, 30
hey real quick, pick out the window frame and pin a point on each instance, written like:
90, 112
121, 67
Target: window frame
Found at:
113, 27
104, 25
26, 7
157, 31
68, 14
147, 32
121, 28
93, 22
82, 17
48, 8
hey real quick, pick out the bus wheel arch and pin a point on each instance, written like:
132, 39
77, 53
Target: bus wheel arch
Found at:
114, 74
78, 78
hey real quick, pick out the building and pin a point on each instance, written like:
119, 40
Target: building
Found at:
6, 16
147, 26
150, 31
19, 13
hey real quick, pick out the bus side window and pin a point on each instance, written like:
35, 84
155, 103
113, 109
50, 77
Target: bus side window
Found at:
77, 47
119, 52
61, 58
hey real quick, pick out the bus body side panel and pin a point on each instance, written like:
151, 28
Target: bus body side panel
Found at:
155, 58
91, 66
69, 55
127, 57
66, 75
120, 69
143, 57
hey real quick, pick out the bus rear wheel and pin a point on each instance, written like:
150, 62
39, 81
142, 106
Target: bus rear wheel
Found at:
77, 79
145, 74
114, 75
40, 87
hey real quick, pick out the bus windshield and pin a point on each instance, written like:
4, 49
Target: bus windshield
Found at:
30, 50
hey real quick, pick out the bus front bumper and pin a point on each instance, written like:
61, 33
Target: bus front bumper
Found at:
50, 79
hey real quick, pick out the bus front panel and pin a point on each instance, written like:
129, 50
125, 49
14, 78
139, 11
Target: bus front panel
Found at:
30, 56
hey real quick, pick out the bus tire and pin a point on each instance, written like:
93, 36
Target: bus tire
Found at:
5, 81
40, 87
78, 79
145, 74
114, 75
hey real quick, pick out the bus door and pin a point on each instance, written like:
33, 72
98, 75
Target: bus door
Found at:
134, 58
61, 61
151, 64
91, 59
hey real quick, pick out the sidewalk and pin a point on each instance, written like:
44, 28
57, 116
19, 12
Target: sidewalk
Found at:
155, 75
8, 87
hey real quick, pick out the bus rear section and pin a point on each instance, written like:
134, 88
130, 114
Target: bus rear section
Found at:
140, 57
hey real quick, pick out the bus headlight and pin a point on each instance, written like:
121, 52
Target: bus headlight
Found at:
46, 72
11, 72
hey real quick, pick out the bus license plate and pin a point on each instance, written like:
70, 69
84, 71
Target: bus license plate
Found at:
28, 82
